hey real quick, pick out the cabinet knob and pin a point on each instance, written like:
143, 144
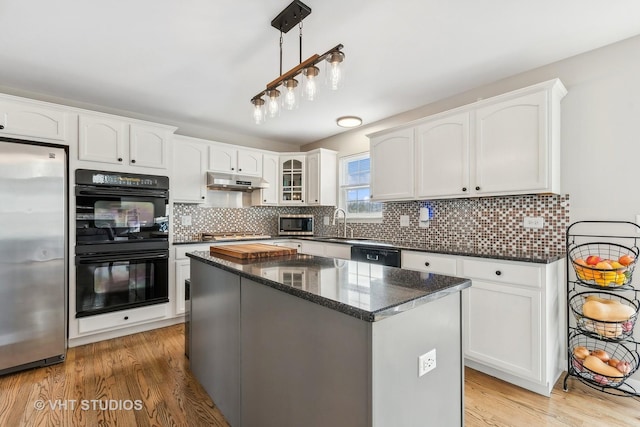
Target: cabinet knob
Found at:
464, 188
427, 264
1, 126
133, 161
119, 159
265, 200
477, 188
202, 197
126, 317
316, 200
498, 273
302, 201
233, 169
239, 169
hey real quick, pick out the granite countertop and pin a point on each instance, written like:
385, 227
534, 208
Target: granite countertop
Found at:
366, 291
540, 256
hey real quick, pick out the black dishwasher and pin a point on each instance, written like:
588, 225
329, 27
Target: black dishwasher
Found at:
375, 255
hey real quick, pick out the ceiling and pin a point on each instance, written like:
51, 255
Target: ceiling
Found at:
197, 63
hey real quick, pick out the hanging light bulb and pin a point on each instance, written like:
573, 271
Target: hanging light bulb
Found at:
258, 110
273, 107
310, 88
290, 98
334, 70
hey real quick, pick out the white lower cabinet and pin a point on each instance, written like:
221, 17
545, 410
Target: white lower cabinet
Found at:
429, 263
502, 326
512, 316
182, 272
512, 321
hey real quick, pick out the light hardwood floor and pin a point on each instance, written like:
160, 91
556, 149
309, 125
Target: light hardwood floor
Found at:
147, 377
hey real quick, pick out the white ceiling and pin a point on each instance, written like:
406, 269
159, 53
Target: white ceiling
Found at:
197, 63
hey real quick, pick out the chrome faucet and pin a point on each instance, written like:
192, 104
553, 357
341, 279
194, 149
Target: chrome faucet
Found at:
344, 215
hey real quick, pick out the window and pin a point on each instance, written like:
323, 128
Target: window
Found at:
355, 175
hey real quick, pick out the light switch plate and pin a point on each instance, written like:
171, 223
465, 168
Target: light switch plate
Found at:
325, 220
404, 221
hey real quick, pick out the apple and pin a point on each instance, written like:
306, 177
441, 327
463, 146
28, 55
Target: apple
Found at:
594, 259
625, 260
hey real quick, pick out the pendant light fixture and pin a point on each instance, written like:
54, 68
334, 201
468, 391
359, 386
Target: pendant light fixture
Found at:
287, 88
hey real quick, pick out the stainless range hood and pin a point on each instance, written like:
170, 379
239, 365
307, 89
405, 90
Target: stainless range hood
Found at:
228, 182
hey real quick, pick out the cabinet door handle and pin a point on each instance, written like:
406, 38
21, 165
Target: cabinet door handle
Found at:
133, 160
477, 188
464, 188
498, 273
426, 264
126, 317
1, 126
119, 159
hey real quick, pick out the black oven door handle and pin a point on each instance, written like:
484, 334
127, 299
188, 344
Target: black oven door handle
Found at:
120, 192
92, 259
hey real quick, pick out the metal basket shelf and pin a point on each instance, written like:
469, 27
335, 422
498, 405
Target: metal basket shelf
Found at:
617, 276
615, 350
602, 329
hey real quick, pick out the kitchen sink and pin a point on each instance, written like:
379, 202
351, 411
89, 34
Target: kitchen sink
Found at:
353, 240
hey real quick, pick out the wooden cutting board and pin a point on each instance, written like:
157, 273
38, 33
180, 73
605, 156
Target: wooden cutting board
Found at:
251, 250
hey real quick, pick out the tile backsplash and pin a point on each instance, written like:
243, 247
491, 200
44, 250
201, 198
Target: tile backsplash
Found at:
494, 223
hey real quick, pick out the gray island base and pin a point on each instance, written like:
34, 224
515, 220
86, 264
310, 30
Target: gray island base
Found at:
310, 341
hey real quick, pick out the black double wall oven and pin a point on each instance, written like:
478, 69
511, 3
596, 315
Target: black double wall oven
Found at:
122, 245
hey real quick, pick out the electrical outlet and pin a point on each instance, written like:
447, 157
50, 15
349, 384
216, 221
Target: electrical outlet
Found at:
533, 222
325, 220
404, 221
426, 362
185, 220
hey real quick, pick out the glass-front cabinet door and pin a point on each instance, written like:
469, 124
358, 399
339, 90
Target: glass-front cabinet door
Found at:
292, 174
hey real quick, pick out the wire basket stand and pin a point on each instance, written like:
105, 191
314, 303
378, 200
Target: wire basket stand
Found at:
600, 267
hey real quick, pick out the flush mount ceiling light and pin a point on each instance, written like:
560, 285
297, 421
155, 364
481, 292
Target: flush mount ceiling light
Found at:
349, 121
287, 96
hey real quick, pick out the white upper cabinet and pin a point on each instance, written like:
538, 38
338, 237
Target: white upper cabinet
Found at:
442, 157
292, 179
110, 139
32, 120
148, 146
392, 165
270, 173
513, 145
505, 145
322, 177
230, 159
102, 139
188, 180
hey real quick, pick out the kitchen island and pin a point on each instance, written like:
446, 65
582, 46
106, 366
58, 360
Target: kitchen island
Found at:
303, 340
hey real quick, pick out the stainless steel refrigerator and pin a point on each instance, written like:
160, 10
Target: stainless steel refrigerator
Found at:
33, 255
